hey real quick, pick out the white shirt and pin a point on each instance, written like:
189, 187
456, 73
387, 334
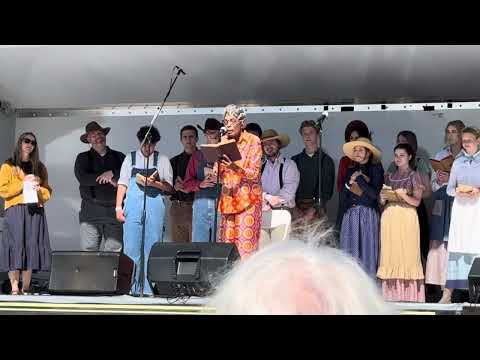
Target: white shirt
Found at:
271, 180
439, 156
164, 168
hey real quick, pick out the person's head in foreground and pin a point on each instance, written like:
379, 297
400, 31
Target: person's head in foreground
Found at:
297, 278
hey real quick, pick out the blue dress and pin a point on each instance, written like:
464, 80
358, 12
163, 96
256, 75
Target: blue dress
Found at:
359, 235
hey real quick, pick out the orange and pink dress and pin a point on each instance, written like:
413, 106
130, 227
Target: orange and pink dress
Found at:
240, 202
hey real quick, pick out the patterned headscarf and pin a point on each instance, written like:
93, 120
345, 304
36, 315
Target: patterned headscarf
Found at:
235, 111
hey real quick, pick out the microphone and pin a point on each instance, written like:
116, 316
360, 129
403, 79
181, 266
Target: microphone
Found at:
180, 70
322, 118
223, 130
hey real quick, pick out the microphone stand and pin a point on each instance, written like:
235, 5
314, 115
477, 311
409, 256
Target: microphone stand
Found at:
217, 195
144, 213
320, 131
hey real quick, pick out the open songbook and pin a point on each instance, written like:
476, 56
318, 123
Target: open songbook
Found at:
389, 194
212, 152
444, 165
464, 188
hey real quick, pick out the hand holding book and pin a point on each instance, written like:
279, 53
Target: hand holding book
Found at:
444, 165
216, 152
388, 194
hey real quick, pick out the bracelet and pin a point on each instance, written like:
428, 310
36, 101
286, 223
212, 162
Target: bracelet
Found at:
118, 208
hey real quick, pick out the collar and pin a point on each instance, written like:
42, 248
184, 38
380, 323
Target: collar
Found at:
139, 152
96, 153
472, 158
185, 154
279, 160
243, 137
305, 153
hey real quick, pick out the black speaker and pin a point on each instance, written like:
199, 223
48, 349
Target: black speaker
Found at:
176, 270
474, 282
90, 273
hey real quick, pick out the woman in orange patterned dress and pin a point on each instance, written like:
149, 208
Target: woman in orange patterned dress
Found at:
241, 197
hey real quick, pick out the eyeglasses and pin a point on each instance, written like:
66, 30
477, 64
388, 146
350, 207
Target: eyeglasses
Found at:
29, 141
233, 121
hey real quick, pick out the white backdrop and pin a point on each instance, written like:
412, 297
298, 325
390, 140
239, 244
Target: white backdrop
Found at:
7, 133
59, 144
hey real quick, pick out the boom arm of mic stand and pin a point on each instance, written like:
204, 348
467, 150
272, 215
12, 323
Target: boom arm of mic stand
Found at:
319, 204
144, 215
160, 109
217, 195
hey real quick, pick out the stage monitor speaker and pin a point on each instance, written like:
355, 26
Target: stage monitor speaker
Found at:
90, 273
474, 282
177, 270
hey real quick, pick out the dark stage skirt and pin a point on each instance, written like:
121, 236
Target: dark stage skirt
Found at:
25, 244
359, 237
422, 214
441, 212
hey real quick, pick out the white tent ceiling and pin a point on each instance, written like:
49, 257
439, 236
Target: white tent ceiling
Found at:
91, 75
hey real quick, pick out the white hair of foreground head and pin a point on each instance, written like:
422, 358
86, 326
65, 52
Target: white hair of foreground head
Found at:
297, 278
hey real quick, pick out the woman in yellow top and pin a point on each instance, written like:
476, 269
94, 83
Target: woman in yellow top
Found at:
24, 187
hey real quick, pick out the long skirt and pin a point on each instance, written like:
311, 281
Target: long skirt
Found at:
359, 237
463, 241
400, 268
242, 229
436, 272
459, 265
25, 244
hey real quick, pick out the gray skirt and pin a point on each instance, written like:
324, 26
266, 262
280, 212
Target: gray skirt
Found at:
25, 244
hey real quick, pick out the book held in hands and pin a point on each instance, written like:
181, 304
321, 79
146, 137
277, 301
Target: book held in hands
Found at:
464, 188
443, 165
213, 152
390, 194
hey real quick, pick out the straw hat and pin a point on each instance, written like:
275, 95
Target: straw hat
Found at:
271, 134
366, 143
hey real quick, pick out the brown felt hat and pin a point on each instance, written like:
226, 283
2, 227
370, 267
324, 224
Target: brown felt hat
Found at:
93, 126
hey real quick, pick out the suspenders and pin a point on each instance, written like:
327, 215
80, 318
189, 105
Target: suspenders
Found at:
134, 158
280, 173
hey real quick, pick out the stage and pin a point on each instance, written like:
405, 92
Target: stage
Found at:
129, 305
100, 305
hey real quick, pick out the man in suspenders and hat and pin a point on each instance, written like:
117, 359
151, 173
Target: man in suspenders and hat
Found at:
280, 176
131, 184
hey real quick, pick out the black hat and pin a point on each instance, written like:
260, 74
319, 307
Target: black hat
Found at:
211, 124
93, 126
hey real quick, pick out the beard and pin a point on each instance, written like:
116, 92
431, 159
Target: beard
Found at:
272, 155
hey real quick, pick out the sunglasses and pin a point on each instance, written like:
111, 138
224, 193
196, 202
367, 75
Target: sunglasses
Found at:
28, 141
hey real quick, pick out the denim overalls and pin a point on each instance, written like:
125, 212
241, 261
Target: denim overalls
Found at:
132, 229
204, 209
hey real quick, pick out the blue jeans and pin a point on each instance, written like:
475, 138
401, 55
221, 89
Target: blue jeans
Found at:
202, 219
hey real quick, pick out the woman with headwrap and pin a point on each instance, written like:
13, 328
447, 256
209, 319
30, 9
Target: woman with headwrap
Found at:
241, 196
